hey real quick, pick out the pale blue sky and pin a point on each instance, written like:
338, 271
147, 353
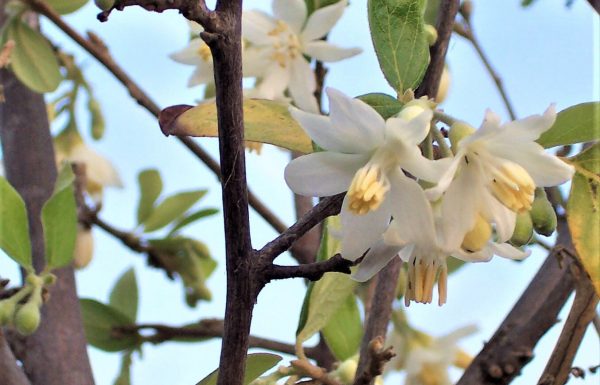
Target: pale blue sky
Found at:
546, 54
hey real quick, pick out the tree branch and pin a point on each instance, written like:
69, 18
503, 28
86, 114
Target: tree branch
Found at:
10, 372
312, 271
511, 347
193, 10
582, 313
96, 47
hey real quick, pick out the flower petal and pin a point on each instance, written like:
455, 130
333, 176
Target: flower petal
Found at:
203, 74
506, 250
256, 26
321, 21
98, 169
190, 54
195, 28
450, 170
319, 128
303, 85
322, 173
293, 12
360, 232
358, 122
504, 218
410, 132
531, 127
255, 61
273, 85
483, 255
324, 51
376, 259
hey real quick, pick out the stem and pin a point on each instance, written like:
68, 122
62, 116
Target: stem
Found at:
10, 372
440, 140
468, 34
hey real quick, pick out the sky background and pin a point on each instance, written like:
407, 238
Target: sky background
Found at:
547, 53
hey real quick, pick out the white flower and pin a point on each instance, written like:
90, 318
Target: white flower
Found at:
422, 245
363, 155
198, 54
494, 174
280, 43
99, 171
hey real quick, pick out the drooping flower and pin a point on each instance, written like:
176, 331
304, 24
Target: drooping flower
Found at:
279, 44
198, 54
494, 174
365, 156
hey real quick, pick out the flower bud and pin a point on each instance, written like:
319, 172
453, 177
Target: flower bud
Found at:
104, 5
459, 131
413, 109
523, 232
7, 309
466, 9
431, 34
444, 86
27, 318
346, 371
542, 214
84, 248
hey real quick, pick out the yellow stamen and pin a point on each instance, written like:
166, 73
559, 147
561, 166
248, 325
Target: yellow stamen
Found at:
279, 28
462, 359
432, 374
479, 235
421, 279
367, 190
443, 285
204, 52
513, 186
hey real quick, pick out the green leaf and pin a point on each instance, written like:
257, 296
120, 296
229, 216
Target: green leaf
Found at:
59, 220
193, 218
32, 60
124, 296
14, 225
265, 121
400, 41
150, 187
385, 105
327, 296
583, 211
313, 5
99, 320
343, 333
431, 11
170, 209
64, 7
576, 124
256, 365
124, 377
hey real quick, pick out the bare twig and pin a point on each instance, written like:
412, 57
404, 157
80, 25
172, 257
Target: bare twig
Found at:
312, 271
466, 30
377, 357
10, 372
192, 10
582, 312
595, 4
307, 369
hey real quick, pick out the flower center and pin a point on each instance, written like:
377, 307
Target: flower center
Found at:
286, 45
421, 278
432, 373
204, 52
477, 238
368, 189
513, 186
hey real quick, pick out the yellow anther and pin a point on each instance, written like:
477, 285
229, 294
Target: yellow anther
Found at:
280, 28
367, 190
462, 359
513, 186
421, 280
477, 238
432, 374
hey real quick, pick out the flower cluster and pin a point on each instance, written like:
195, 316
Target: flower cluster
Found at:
276, 50
469, 213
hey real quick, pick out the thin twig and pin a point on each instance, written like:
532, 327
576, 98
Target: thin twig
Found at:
466, 30
192, 10
96, 47
312, 271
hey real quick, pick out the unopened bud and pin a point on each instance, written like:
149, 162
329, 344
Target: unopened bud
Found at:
27, 318
346, 371
479, 235
413, 109
466, 9
7, 309
542, 213
444, 86
104, 5
523, 232
459, 131
431, 34
84, 248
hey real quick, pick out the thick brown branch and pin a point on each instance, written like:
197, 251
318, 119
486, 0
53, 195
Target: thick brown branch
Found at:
595, 4
446, 15
312, 271
533, 315
327, 207
195, 10
372, 355
96, 47
582, 313
10, 372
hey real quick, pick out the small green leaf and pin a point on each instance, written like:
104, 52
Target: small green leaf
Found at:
256, 365
343, 333
32, 60
386, 105
59, 220
583, 211
265, 121
193, 218
576, 124
313, 5
431, 11
64, 7
150, 187
171, 208
14, 225
124, 377
99, 320
400, 41
97, 125
124, 296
